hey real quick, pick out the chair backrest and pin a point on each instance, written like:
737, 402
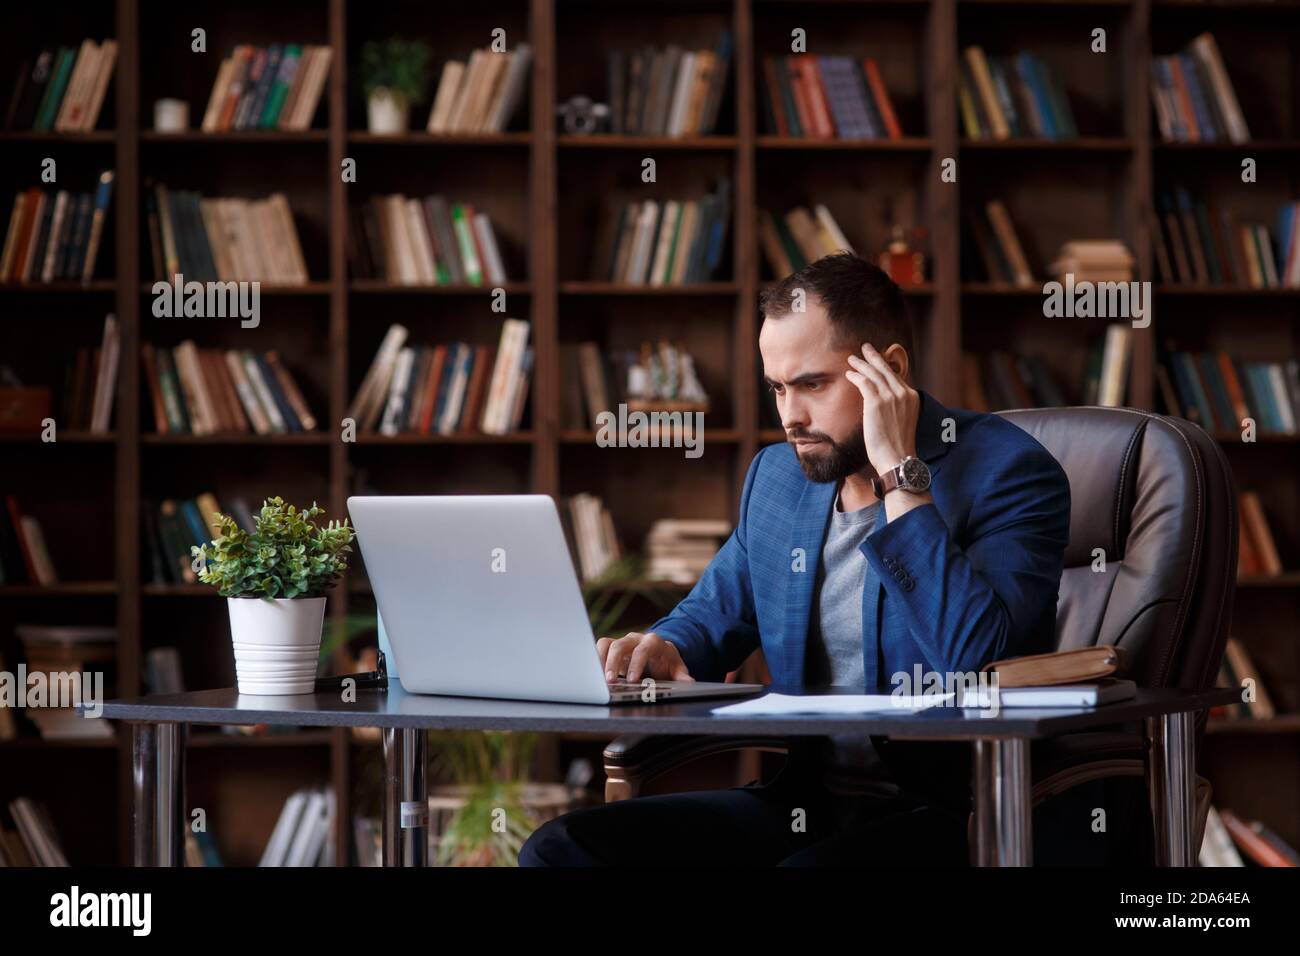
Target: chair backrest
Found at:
1154, 493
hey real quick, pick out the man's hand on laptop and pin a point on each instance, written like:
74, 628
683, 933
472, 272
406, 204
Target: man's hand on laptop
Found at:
641, 655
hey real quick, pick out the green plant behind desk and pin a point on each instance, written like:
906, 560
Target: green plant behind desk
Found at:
274, 579
286, 555
394, 75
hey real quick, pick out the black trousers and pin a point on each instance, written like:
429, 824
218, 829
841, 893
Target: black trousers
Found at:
793, 821
797, 821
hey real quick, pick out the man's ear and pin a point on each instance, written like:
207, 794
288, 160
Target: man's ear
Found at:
896, 357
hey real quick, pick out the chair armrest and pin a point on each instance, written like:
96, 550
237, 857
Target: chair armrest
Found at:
634, 759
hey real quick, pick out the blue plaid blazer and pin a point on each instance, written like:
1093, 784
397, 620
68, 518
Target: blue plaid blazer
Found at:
966, 580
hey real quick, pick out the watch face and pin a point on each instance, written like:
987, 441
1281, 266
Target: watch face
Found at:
916, 474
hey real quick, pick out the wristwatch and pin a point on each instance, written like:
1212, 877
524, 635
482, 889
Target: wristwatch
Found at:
910, 474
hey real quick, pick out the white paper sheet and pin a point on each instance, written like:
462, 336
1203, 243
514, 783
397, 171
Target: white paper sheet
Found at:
777, 704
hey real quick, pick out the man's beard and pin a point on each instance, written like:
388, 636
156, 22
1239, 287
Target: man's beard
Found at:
844, 458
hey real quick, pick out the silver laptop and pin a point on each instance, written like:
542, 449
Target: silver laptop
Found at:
479, 598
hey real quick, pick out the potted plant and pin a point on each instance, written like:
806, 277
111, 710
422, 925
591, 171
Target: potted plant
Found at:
274, 579
394, 74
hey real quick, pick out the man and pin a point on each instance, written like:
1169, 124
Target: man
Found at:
888, 532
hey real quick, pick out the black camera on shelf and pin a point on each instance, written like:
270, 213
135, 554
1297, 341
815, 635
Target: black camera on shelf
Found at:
583, 116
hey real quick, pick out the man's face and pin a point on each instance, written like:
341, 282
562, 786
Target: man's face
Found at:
821, 410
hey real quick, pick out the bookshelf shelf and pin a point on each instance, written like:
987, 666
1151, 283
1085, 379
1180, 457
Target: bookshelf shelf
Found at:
468, 438
1233, 291
66, 437
1081, 145
1281, 724
584, 287
1261, 437
178, 590
441, 139
1288, 579
236, 438
1219, 146
611, 141
30, 744
22, 136
313, 288
303, 738
62, 589
582, 437
61, 287
380, 287
907, 144
1000, 289
268, 137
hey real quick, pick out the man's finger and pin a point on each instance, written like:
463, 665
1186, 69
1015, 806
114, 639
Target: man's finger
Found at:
636, 665
877, 361
873, 375
618, 655
602, 647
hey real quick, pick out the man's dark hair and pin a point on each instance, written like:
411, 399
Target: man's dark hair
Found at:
862, 303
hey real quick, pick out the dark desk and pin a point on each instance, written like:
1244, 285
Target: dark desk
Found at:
1001, 752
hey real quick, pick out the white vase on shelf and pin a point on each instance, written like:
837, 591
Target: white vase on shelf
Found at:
387, 112
276, 643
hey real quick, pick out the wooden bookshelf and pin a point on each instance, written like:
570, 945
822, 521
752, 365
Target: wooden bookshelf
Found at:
545, 192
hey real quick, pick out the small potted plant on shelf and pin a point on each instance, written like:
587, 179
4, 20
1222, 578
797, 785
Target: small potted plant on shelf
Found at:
394, 74
274, 579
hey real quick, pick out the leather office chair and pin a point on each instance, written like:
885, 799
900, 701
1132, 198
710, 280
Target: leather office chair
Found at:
1155, 494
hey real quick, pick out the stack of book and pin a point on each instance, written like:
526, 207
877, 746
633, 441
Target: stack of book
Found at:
1094, 260
171, 528
446, 389
799, 237
669, 242
55, 235
1257, 551
62, 89
1231, 841
1218, 391
274, 87
209, 391
67, 650
423, 242
826, 97
998, 247
483, 95
212, 240
1000, 380
1005, 96
589, 529
33, 841
670, 91
92, 384
1238, 670
1204, 243
302, 833
661, 378
24, 557
679, 549
1193, 96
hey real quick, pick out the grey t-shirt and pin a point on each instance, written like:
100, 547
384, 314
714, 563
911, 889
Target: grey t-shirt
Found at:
835, 629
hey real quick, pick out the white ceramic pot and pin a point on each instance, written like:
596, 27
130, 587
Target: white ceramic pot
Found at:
388, 112
277, 643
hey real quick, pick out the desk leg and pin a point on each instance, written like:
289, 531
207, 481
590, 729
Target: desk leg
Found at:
1171, 785
406, 797
158, 768
1003, 812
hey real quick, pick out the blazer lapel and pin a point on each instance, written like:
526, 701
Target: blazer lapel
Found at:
808, 532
